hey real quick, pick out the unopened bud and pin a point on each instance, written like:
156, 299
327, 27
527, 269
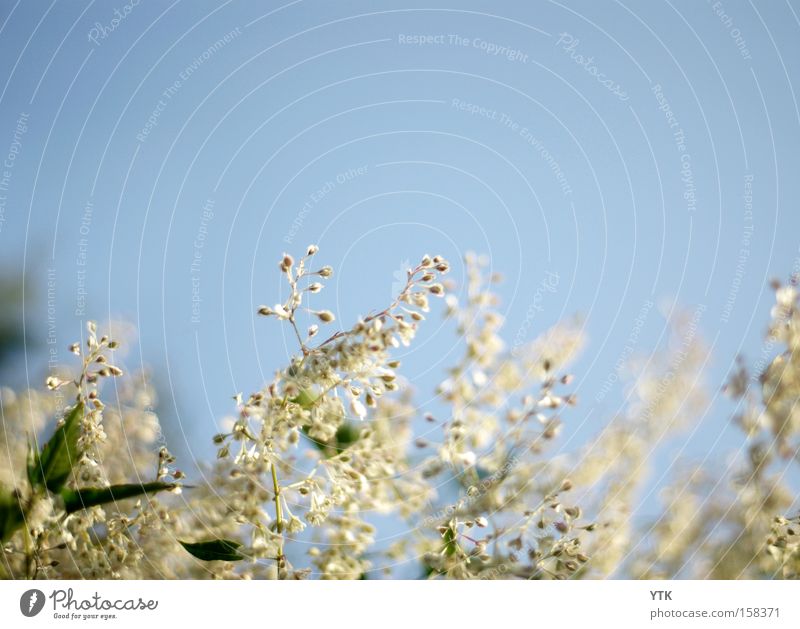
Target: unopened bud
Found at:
326, 316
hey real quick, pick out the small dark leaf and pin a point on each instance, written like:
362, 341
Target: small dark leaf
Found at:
11, 516
31, 463
346, 435
450, 543
75, 500
214, 550
51, 468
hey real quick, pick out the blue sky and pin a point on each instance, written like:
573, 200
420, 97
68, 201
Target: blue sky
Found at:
632, 149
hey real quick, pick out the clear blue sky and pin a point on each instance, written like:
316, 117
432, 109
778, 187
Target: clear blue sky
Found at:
628, 147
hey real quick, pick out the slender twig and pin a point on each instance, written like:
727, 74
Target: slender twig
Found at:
278, 514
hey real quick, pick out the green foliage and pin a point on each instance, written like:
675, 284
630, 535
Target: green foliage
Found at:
214, 550
77, 499
482, 492
51, 468
450, 544
304, 399
11, 515
346, 435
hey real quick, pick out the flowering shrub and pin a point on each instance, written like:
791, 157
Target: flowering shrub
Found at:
335, 440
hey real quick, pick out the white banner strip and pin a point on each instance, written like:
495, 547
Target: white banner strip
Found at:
330, 605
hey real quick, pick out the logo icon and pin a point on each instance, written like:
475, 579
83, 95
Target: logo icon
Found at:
400, 277
31, 603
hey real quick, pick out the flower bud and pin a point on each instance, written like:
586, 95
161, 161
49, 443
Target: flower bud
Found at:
53, 383
326, 316
286, 263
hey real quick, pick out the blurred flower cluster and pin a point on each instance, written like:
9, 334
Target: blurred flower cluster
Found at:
334, 445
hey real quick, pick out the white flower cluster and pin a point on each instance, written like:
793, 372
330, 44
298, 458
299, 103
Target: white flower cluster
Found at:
335, 439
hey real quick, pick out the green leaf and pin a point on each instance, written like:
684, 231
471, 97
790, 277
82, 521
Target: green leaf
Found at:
31, 463
305, 398
51, 468
428, 571
346, 435
75, 500
450, 543
11, 516
214, 550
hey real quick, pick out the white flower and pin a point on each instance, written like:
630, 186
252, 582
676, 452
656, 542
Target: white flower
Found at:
467, 458
358, 409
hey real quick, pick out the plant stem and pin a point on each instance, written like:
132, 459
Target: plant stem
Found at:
297, 334
383, 313
28, 551
278, 514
